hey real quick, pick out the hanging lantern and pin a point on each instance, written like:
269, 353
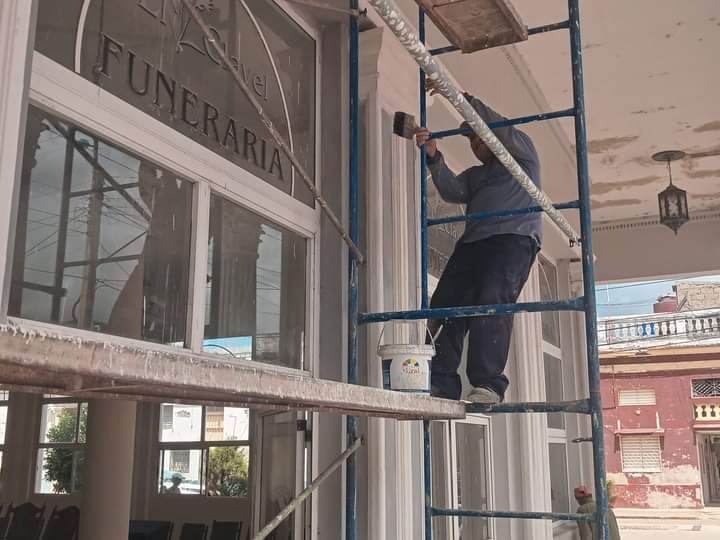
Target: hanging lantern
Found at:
673, 200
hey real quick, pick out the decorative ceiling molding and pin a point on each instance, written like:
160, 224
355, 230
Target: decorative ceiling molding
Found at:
639, 223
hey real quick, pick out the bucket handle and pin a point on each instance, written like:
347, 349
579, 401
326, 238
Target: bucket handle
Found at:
427, 330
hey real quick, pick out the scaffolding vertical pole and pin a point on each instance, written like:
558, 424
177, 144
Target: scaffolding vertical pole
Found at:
424, 245
353, 307
427, 476
424, 266
593, 358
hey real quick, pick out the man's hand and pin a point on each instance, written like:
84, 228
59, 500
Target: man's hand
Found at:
422, 137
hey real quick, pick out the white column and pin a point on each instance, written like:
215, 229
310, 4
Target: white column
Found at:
108, 476
529, 385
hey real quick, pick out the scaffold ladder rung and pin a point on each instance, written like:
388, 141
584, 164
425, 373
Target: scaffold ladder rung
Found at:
488, 310
580, 406
558, 516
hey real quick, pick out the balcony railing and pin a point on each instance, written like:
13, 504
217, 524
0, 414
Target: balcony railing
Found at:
707, 412
674, 327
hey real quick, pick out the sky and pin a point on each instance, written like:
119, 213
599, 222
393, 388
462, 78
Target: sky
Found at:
636, 298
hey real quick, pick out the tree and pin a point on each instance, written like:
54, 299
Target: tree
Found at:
228, 472
60, 463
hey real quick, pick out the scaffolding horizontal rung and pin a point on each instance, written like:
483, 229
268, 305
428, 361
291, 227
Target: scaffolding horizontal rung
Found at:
580, 406
562, 25
490, 310
501, 213
565, 113
558, 516
531, 32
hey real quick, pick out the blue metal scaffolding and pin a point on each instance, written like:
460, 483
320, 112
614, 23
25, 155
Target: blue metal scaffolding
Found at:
590, 406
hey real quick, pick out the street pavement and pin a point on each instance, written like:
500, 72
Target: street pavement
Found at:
667, 529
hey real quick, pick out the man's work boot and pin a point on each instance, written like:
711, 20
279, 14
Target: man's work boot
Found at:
481, 394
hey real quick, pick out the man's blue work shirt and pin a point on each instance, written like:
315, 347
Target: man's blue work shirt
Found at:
490, 187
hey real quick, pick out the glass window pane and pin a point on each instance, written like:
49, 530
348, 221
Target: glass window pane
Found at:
278, 470
82, 433
472, 478
227, 424
228, 468
256, 288
103, 236
3, 423
549, 292
181, 472
166, 69
58, 423
180, 423
559, 491
554, 389
59, 470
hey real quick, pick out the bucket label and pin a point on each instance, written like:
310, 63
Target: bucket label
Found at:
411, 366
410, 373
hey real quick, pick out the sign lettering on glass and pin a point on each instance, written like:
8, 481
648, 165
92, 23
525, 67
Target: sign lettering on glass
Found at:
153, 55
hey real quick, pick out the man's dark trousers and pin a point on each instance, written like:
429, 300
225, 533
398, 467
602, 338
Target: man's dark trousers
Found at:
489, 271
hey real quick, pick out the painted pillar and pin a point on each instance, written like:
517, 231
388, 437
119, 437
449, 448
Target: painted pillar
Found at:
108, 470
529, 385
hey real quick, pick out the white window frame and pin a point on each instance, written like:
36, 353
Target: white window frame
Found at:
642, 469
449, 481
49, 399
204, 446
4, 403
71, 97
557, 435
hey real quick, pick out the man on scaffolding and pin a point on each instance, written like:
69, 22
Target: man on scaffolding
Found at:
491, 261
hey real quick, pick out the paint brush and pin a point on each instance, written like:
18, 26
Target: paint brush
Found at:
404, 125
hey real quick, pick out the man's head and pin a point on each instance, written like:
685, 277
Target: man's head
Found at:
478, 147
583, 494
176, 479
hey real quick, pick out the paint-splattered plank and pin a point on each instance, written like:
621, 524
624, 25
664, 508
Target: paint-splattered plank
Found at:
473, 25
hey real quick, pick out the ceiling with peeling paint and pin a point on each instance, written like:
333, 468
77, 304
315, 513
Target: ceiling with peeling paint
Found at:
652, 78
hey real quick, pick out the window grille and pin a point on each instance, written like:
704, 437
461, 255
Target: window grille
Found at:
706, 388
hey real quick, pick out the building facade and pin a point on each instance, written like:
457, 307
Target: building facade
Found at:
661, 387
156, 240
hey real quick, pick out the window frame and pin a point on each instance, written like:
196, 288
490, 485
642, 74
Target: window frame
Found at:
643, 469
694, 395
450, 466
67, 95
631, 394
556, 436
204, 446
49, 399
4, 393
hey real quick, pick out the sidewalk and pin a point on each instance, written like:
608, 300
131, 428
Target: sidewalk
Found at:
706, 514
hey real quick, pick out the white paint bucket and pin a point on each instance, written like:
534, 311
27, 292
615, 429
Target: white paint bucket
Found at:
406, 367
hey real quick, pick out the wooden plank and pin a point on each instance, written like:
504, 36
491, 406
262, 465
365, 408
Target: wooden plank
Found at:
69, 364
473, 25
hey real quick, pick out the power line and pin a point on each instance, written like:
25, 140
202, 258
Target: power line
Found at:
601, 288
